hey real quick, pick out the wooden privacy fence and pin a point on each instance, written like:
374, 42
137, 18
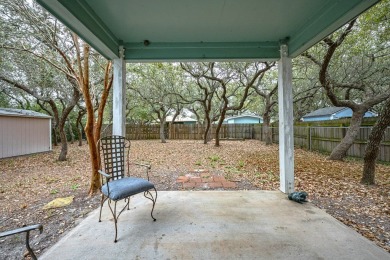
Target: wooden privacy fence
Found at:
196, 131
325, 139
313, 138
182, 132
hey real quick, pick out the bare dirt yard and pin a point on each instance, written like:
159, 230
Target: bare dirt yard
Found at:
27, 183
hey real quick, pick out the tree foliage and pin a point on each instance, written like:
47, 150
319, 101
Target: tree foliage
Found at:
161, 87
353, 67
44, 59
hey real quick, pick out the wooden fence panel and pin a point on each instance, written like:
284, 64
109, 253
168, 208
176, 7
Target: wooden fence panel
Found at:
323, 139
142, 132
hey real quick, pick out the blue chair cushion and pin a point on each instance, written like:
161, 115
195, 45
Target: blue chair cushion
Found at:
126, 187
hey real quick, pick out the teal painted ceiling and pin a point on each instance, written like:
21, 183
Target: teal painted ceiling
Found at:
174, 30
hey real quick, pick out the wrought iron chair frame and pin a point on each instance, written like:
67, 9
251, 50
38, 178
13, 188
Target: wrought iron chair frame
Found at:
26, 229
115, 169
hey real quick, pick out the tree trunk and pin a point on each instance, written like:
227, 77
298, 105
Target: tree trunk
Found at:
55, 138
94, 156
89, 126
219, 127
340, 151
64, 143
266, 129
162, 132
372, 148
72, 137
79, 126
206, 130
80, 135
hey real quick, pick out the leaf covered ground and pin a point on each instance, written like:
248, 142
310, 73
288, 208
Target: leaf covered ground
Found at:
27, 183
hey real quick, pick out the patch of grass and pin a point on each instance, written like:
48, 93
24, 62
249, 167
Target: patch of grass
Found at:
198, 163
232, 172
75, 186
54, 191
240, 164
214, 158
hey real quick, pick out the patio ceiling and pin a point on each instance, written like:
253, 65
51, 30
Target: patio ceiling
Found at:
173, 30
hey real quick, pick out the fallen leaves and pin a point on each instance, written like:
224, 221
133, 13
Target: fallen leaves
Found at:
29, 182
59, 202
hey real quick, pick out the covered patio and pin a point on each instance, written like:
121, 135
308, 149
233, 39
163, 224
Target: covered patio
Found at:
216, 225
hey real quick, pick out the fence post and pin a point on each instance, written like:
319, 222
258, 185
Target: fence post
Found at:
308, 138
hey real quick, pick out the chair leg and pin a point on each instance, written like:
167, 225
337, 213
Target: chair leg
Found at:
128, 203
101, 206
116, 216
149, 195
113, 212
28, 246
116, 223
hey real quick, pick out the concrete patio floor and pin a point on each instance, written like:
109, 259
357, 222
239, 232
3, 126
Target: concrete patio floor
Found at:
216, 225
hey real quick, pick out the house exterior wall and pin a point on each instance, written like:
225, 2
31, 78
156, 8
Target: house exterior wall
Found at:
24, 135
244, 120
316, 118
189, 123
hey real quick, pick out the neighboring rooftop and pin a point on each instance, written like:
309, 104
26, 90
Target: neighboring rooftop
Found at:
240, 116
21, 113
325, 111
180, 118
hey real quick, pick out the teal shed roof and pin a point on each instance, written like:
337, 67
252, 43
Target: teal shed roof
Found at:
173, 30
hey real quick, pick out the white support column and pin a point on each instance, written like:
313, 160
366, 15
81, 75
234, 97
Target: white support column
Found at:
286, 127
119, 95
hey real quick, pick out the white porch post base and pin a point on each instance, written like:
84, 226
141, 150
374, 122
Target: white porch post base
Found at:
119, 96
286, 127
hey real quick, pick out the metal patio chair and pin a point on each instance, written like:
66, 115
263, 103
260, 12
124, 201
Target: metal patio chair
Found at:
116, 181
25, 229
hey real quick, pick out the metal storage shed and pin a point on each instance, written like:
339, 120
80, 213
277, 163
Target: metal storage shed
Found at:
23, 132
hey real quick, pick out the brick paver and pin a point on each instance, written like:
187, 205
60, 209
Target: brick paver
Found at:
215, 184
219, 178
182, 179
228, 184
189, 184
195, 179
205, 175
